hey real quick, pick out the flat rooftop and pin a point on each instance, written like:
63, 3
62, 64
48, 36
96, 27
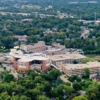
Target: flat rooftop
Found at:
66, 56
81, 66
53, 49
29, 57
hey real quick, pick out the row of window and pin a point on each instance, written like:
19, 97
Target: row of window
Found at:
71, 72
68, 61
22, 64
38, 48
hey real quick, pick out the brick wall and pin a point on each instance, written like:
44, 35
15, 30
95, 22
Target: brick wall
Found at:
44, 67
28, 65
14, 62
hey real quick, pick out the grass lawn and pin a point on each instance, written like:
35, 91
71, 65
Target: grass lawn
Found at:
88, 59
95, 57
91, 58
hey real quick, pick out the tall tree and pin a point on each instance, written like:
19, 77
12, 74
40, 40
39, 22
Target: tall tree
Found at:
86, 73
42, 97
81, 97
8, 78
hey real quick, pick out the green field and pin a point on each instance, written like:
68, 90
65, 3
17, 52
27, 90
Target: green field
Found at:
94, 57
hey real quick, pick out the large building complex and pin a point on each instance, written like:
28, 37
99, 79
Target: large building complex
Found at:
78, 69
54, 49
23, 62
37, 47
58, 60
40, 57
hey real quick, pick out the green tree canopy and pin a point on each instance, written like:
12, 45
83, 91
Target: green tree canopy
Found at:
86, 73
8, 78
76, 86
81, 97
42, 97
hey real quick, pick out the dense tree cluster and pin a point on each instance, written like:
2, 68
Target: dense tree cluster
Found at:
68, 30
35, 86
46, 86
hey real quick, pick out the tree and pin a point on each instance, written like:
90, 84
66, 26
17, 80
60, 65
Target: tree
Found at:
32, 39
81, 97
61, 89
42, 97
8, 78
31, 73
75, 62
5, 96
86, 73
38, 79
0, 64
57, 98
8, 42
93, 91
15, 97
68, 90
41, 35
4, 68
47, 87
54, 74
71, 79
19, 43
34, 93
24, 98
74, 78
78, 79
76, 86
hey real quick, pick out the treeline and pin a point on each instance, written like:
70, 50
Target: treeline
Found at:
68, 32
34, 86
46, 86
6, 42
